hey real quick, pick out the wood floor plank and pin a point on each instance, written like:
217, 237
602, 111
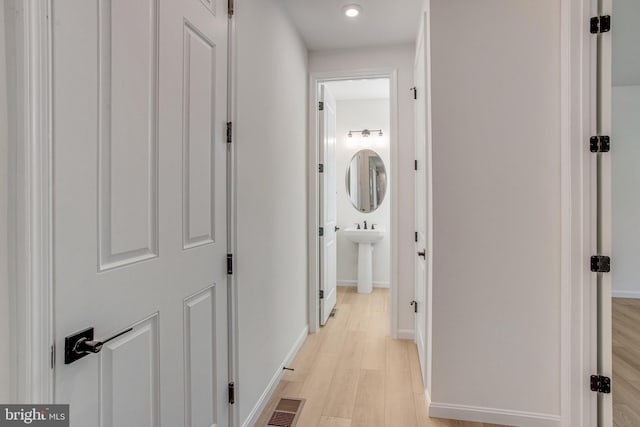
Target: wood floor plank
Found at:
334, 422
399, 406
375, 356
626, 362
353, 350
368, 410
397, 356
342, 397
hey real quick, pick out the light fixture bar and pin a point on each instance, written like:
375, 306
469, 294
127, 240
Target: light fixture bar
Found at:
364, 132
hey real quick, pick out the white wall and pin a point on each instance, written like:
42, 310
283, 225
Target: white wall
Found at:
626, 49
4, 204
625, 152
401, 58
358, 115
271, 152
625, 155
496, 210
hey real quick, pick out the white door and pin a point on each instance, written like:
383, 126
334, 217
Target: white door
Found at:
421, 204
328, 222
139, 112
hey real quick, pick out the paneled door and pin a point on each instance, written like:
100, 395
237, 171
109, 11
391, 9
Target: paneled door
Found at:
139, 112
328, 221
421, 204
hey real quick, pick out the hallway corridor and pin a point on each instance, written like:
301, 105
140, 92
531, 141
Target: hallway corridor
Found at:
352, 374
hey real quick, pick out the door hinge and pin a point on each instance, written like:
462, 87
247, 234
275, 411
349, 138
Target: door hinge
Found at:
600, 144
415, 306
321, 294
53, 356
229, 264
600, 384
415, 165
232, 393
229, 132
321, 168
321, 231
600, 24
415, 92
600, 264
321, 106
230, 7
415, 237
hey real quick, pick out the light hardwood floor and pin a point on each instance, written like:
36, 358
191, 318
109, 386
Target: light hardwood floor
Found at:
352, 374
626, 362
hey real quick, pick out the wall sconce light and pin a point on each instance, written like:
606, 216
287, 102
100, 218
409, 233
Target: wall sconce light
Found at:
365, 132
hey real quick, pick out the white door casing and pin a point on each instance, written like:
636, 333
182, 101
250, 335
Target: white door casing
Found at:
328, 220
604, 123
139, 111
421, 202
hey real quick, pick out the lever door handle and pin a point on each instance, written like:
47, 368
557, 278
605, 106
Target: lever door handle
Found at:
423, 254
81, 344
414, 303
336, 229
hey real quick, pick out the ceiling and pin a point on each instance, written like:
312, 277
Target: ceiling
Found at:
344, 90
323, 25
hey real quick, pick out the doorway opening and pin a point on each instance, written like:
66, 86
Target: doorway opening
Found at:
353, 199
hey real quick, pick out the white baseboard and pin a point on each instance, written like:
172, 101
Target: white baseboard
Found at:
252, 419
625, 294
406, 334
352, 283
492, 415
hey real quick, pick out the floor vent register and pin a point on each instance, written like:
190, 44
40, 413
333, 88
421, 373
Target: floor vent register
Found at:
286, 413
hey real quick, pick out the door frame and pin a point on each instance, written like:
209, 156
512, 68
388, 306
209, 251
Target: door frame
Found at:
578, 315
604, 120
31, 284
313, 182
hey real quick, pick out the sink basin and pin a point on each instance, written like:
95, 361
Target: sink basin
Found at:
365, 240
364, 236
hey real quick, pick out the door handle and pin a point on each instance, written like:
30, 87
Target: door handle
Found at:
414, 303
423, 254
81, 344
336, 229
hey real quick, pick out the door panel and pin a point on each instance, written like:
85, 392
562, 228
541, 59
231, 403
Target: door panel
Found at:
328, 242
127, 126
199, 162
199, 335
421, 200
139, 126
129, 377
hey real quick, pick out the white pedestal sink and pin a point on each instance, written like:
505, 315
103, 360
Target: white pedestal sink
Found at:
365, 240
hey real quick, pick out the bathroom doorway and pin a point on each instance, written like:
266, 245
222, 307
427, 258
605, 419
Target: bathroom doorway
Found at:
353, 137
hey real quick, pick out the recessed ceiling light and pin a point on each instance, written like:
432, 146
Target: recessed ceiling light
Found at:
352, 10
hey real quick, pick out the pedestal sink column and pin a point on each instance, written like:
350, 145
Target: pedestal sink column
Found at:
365, 240
365, 268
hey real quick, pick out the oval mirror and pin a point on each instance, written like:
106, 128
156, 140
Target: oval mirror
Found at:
366, 181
